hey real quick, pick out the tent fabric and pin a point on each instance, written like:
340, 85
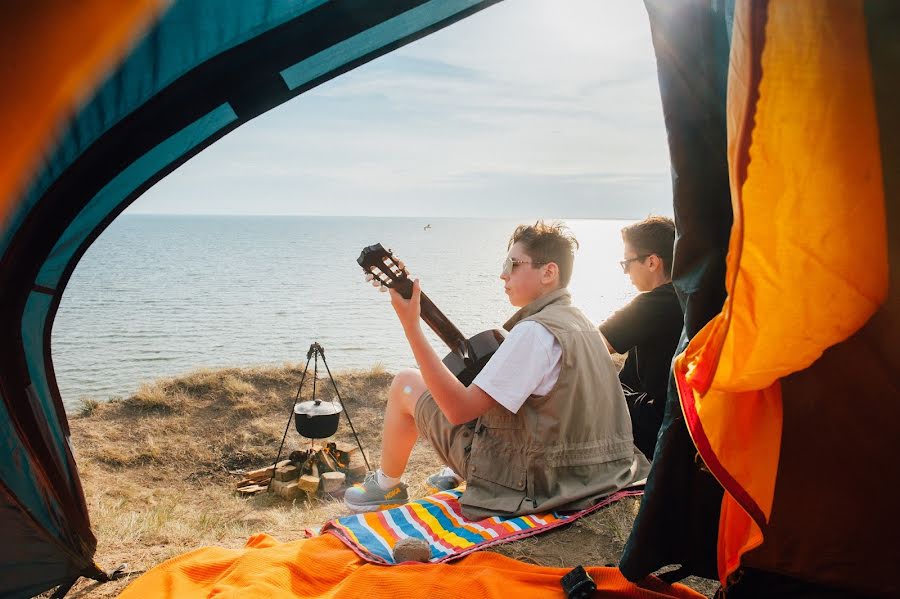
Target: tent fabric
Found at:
787, 110
202, 70
836, 520
794, 223
61, 50
803, 437
324, 567
678, 518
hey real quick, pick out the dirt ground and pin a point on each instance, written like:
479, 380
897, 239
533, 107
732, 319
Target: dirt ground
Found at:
159, 470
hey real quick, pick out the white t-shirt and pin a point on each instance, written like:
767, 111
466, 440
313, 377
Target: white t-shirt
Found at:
526, 363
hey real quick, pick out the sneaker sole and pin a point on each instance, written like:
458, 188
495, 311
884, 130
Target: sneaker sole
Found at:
365, 508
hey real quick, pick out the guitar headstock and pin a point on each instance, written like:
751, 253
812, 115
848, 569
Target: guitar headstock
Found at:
386, 270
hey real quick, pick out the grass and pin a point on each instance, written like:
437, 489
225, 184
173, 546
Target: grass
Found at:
87, 405
159, 469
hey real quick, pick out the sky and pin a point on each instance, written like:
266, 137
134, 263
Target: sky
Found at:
528, 108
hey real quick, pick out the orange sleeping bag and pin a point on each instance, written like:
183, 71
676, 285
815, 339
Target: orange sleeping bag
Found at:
324, 567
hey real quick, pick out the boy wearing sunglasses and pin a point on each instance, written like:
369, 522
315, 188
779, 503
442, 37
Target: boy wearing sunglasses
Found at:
543, 427
648, 328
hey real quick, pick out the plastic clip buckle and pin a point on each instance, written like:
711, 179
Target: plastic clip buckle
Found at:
578, 584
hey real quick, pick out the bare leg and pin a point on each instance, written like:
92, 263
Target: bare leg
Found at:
400, 433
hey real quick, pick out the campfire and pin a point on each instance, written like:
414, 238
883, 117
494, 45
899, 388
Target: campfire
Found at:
327, 469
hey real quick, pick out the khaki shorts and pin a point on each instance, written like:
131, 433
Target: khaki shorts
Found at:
451, 442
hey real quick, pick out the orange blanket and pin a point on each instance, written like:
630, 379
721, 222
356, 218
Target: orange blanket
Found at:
324, 567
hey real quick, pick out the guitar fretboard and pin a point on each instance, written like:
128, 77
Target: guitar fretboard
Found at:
436, 320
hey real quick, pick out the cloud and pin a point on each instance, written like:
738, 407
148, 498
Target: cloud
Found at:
521, 103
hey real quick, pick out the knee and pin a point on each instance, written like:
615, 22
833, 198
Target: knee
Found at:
406, 387
408, 377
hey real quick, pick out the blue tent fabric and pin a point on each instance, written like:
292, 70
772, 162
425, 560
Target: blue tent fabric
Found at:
203, 69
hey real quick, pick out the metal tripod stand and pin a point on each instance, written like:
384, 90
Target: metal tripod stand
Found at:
316, 350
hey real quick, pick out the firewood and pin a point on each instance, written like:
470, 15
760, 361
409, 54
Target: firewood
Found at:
326, 462
308, 483
248, 490
287, 473
333, 481
264, 473
346, 447
300, 456
289, 490
356, 472
357, 468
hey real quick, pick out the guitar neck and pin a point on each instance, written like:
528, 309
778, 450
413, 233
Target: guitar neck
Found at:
437, 321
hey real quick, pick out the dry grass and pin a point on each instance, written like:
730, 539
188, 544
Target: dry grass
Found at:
87, 406
159, 468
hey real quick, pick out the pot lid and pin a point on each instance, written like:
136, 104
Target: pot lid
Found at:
316, 407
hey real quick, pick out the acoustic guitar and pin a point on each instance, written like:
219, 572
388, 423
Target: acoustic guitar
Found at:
467, 355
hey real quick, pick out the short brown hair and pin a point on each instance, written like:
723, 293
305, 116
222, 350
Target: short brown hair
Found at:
548, 242
653, 235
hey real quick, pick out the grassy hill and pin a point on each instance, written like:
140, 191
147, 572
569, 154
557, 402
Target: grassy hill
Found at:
159, 470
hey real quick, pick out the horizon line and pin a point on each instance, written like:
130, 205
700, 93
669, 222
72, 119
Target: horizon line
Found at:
413, 216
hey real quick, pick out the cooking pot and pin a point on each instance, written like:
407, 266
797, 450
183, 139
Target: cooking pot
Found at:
316, 419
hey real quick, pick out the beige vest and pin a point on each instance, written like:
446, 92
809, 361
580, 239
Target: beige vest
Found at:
563, 450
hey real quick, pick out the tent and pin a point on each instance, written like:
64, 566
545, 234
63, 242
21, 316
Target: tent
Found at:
782, 417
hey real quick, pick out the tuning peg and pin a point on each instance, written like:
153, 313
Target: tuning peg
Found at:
401, 265
369, 277
383, 288
376, 283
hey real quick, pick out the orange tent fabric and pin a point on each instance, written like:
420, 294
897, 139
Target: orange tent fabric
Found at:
805, 170
54, 54
324, 567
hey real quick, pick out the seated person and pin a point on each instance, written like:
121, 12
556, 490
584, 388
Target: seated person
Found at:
544, 426
648, 328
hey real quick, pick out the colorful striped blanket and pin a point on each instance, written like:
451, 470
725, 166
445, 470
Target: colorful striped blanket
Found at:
438, 520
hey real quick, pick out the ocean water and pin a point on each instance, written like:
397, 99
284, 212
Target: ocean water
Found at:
159, 295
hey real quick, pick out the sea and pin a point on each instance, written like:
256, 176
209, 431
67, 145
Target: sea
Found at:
157, 296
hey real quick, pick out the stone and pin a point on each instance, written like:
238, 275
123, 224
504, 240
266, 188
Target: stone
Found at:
411, 549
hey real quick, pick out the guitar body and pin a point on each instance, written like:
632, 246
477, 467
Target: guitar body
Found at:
467, 356
481, 347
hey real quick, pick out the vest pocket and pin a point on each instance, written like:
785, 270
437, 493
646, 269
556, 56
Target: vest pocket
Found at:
496, 476
484, 498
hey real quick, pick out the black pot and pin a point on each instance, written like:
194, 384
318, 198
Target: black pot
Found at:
317, 419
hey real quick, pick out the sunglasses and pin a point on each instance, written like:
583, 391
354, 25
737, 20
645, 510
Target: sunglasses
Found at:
626, 264
509, 265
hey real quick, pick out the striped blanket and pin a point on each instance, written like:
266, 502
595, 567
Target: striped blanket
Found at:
438, 521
